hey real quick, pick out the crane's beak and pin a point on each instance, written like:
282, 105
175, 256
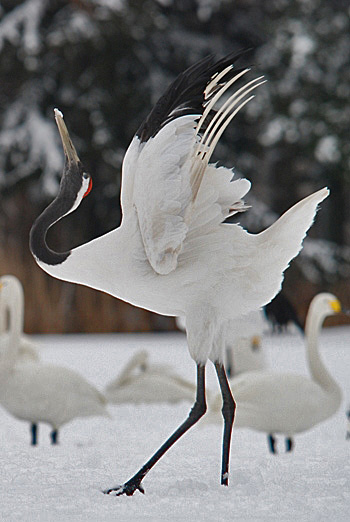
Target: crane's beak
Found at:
69, 149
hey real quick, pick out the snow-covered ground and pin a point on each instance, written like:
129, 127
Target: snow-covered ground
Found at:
65, 483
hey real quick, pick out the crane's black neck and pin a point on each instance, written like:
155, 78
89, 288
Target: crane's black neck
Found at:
37, 241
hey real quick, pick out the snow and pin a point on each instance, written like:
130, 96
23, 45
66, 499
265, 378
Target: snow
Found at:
65, 483
327, 149
23, 18
25, 124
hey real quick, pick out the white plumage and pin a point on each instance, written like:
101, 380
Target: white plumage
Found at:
36, 392
143, 382
242, 340
244, 350
288, 403
172, 253
27, 349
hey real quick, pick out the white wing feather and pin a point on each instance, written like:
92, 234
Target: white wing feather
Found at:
171, 183
162, 191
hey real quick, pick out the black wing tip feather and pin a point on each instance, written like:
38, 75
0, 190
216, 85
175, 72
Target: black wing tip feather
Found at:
185, 93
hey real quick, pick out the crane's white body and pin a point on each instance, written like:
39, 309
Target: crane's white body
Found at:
242, 340
142, 382
172, 253
244, 351
217, 263
34, 391
287, 403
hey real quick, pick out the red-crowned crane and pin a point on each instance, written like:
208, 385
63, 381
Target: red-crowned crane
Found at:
172, 253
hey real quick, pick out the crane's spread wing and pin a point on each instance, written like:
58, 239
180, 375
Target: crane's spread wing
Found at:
168, 159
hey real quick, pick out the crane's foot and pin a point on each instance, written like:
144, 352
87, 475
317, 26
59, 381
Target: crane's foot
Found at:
128, 488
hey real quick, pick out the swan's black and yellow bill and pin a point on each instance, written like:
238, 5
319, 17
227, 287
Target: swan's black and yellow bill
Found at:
69, 149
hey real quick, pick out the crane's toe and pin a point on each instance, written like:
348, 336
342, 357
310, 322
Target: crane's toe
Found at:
128, 489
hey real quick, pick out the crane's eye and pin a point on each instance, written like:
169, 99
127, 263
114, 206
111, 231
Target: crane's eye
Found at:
88, 190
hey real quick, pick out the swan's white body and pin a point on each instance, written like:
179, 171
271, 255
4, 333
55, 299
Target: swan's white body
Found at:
51, 394
34, 391
286, 403
242, 339
141, 382
27, 350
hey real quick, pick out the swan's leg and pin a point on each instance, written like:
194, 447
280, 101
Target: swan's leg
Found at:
289, 444
347, 437
54, 437
198, 410
272, 443
34, 434
228, 412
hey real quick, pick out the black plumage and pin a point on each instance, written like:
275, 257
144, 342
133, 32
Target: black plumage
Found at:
186, 94
280, 312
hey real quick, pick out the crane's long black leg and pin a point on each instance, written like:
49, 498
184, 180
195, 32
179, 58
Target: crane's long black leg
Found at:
228, 412
198, 410
289, 444
34, 434
54, 437
272, 443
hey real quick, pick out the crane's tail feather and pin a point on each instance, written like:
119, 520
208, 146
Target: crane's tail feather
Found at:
283, 240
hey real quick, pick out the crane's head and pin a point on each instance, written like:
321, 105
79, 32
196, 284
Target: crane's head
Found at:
76, 183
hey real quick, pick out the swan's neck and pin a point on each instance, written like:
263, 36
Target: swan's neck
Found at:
317, 369
138, 361
14, 307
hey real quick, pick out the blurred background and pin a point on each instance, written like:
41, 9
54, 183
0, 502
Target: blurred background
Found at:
104, 63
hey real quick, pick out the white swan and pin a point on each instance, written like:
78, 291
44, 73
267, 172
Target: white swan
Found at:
37, 392
140, 382
27, 349
284, 402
